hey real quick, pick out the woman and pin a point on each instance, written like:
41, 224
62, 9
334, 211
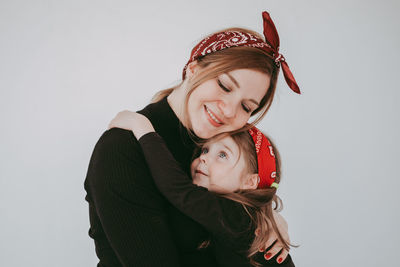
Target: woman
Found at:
230, 76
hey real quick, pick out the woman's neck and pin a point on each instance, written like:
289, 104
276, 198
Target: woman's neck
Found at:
176, 101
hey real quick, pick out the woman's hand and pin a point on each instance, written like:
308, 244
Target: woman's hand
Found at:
278, 246
133, 121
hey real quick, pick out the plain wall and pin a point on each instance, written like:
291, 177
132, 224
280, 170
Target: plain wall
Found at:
67, 68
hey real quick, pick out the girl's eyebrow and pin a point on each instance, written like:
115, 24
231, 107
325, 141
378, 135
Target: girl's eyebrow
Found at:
228, 148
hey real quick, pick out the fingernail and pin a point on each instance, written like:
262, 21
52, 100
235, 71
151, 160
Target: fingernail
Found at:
279, 260
260, 249
268, 256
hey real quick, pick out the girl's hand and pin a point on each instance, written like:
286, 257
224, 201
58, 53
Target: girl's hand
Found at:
278, 246
133, 121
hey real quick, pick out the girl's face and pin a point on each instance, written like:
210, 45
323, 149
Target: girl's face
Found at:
221, 167
225, 103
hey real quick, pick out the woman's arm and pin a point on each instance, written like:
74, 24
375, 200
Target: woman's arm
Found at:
275, 247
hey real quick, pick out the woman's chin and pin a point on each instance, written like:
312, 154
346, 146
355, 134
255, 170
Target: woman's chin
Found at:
205, 132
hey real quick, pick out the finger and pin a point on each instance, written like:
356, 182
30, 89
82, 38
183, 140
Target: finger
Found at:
273, 251
269, 243
282, 256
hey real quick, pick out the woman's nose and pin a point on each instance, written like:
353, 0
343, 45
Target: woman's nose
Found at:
228, 108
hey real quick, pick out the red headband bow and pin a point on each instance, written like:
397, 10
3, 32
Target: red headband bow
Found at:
265, 158
223, 40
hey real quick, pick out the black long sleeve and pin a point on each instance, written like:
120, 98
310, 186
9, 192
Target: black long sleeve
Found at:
225, 219
195, 201
131, 223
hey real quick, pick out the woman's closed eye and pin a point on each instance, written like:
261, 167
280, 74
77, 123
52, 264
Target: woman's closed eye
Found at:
246, 108
223, 87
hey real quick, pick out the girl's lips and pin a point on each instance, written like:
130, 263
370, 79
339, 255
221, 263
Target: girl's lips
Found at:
212, 118
198, 171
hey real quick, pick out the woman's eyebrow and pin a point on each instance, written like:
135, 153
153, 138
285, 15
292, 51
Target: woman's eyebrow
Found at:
255, 102
233, 80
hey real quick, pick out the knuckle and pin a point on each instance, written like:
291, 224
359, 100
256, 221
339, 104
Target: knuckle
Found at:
273, 250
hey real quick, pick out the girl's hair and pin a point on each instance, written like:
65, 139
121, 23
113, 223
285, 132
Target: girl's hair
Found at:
258, 203
223, 61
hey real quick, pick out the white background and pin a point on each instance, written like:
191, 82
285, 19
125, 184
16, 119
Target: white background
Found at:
67, 67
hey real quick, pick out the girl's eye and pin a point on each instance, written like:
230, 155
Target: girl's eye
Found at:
246, 108
204, 150
223, 87
222, 154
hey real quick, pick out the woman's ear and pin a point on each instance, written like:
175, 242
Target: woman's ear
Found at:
251, 181
191, 69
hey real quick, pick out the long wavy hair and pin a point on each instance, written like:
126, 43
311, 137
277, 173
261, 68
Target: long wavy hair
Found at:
258, 203
226, 60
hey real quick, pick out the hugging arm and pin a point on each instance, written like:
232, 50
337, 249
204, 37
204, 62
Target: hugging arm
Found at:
196, 202
178, 188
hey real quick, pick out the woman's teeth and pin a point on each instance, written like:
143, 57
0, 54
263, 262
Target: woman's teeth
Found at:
213, 117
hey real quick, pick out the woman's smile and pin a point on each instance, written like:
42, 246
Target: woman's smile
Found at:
225, 103
213, 119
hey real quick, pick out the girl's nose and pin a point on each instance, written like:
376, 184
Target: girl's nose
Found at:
203, 158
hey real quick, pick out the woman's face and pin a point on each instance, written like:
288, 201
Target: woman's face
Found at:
225, 103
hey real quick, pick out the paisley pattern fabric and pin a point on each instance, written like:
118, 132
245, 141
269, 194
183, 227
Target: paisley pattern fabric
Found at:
223, 40
265, 158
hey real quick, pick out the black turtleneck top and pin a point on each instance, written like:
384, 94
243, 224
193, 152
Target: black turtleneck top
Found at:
132, 224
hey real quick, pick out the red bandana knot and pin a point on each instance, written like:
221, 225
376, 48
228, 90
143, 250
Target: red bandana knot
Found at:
280, 58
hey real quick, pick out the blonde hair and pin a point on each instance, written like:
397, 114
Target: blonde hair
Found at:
258, 203
226, 60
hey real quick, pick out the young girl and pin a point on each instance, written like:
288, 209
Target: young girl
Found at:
231, 193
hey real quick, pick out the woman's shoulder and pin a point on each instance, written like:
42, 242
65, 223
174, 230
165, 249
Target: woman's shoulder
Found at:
117, 154
116, 140
116, 136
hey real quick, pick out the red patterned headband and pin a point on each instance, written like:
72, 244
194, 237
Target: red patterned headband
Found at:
265, 159
223, 40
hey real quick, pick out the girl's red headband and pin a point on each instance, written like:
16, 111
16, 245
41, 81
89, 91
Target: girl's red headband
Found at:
223, 40
265, 159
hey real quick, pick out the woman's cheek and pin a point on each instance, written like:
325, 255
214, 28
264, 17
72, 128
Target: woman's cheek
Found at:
240, 120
